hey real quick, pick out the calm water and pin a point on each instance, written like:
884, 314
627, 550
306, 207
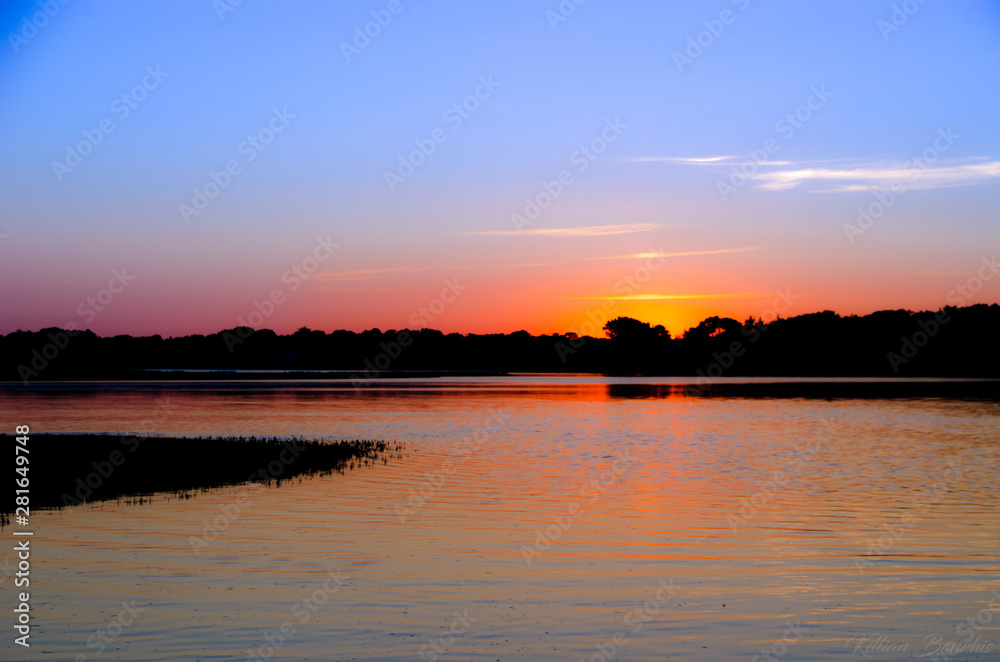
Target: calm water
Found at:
535, 518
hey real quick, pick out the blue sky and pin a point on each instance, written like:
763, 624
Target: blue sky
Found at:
557, 84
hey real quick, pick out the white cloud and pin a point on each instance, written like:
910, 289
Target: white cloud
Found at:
869, 178
705, 160
852, 177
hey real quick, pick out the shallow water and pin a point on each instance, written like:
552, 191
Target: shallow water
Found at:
560, 518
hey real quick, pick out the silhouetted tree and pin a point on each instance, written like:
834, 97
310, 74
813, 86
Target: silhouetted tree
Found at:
948, 342
711, 328
627, 329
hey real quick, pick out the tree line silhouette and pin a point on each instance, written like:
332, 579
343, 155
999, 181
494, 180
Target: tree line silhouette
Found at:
951, 342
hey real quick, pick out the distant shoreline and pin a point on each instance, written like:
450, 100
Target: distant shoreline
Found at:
950, 342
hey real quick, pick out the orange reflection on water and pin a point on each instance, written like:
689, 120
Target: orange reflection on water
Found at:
549, 508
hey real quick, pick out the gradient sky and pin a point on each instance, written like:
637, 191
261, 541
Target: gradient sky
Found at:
887, 95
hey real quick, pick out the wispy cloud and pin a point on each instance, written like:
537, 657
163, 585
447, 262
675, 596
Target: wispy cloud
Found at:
375, 274
355, 289
656, 254
843, 180
372, 274
590, 231
671, 297
682, 160
851, 177
936, 274
710, 161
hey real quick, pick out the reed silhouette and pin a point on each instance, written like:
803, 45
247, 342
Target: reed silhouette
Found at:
70, 469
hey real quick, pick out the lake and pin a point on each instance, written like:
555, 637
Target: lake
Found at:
535, 518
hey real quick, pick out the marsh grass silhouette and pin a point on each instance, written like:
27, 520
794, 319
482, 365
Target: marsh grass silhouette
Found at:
70, 469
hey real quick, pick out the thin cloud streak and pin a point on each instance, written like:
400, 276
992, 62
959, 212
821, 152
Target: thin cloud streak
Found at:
883, 177
370, 274
936, 274
658, 254
856, 177
727, 161
705, 160
590, 231
354, 289
672, 297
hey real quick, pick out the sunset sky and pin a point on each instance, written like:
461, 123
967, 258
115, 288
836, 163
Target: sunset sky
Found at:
421, 152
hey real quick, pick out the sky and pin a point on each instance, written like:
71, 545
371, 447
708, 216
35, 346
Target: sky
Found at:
188, 166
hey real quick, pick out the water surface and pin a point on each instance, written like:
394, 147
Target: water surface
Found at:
535, 518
